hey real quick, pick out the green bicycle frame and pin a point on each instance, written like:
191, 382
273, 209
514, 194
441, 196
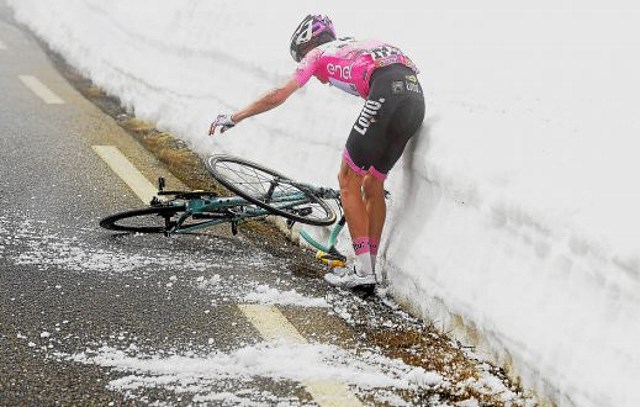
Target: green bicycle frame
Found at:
209, 207
330, 247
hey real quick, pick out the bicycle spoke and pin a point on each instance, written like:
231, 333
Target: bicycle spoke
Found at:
270, 190
254, 181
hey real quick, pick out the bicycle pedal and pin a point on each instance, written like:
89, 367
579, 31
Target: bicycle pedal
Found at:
329, 259
333, 255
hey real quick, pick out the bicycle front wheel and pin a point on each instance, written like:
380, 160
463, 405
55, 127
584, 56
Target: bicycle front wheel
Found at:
155, 219
270, 190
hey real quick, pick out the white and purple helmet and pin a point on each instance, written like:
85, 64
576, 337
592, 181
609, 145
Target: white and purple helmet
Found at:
314, 30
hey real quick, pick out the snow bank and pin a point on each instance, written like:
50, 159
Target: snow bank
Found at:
513, 219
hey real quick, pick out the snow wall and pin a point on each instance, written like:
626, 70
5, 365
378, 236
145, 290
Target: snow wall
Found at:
514, 213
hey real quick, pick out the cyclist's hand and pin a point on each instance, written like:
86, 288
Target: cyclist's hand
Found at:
223, 121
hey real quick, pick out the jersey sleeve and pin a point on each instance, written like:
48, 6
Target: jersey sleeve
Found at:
307, 67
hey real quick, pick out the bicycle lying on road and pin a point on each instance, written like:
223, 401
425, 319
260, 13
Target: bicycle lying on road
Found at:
260, 192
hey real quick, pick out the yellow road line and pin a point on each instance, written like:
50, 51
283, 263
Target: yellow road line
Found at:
127, 171
275, 328
41, 90
269, 321
272, 325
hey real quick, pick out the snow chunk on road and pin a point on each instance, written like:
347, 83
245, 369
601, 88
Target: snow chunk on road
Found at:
208, 376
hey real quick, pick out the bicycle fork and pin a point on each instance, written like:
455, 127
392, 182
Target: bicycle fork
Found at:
328, 254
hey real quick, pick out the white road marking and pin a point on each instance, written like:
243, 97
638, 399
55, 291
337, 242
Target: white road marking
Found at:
128, 172
41, 90
2, 46
275, 328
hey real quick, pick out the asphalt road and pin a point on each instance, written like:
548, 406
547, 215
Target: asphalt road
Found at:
65, 284
70, 292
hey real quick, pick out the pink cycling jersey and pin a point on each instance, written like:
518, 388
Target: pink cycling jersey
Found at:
348, 64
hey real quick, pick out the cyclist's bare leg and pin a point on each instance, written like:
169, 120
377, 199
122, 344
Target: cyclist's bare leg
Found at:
355, 210
376, 206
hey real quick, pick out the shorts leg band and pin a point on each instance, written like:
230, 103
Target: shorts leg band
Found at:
377, 174
347, 157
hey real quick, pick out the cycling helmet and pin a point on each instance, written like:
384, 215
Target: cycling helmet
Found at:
314, 30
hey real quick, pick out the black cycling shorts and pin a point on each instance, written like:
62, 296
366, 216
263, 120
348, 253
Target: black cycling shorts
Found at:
391, 115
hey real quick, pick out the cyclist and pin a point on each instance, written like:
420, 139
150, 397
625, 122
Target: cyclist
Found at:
393, 112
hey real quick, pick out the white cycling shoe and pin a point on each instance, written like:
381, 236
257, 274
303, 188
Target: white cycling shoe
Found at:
348, 277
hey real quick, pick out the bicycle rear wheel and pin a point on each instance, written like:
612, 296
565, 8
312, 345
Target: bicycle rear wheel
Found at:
155, 219
270, 190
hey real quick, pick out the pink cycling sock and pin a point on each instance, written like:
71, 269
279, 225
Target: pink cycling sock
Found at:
363, 258
361, 245
373, 246
373, 252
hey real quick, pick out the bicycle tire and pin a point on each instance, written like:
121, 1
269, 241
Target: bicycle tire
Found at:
142, 219
253, 182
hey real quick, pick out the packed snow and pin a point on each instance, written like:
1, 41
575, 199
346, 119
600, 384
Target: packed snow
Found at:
513, 213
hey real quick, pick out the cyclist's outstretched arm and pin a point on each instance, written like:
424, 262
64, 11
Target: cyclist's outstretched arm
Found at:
275, 97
